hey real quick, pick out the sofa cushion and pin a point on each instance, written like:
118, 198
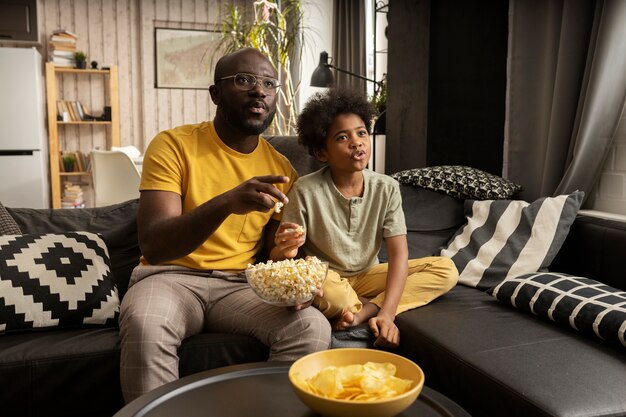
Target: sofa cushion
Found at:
496, 361
7, 224
504, 238
297, 154
117, 225
586, 305
56, 280
594, 248
431, 218
459, 181
76, 372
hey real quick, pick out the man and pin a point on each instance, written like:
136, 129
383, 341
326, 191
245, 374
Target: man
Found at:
206, 211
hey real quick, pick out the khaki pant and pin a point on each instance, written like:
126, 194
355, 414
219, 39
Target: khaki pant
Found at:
166, 304
428, 278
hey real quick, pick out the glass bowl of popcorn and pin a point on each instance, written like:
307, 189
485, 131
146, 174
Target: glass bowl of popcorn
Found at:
287, 283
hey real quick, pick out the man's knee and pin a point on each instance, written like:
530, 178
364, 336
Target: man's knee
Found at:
141, 319
313, 327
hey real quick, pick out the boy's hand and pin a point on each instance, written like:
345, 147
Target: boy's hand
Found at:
385, 331
289, 237
320, 293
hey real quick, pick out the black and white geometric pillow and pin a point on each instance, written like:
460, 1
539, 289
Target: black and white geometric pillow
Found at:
8, 226
586, 305
459, 181
56, 280
508, 238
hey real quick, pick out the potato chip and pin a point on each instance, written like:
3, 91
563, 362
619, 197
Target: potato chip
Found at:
368, 382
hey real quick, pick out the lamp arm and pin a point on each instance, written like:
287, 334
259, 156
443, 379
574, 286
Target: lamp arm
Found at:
378, 83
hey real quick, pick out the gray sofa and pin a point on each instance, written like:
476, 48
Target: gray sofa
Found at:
494, 360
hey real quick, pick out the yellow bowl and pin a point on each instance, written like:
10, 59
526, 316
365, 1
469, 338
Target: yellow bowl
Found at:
309, 365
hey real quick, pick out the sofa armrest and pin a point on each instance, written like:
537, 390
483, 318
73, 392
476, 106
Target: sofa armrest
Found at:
594, 248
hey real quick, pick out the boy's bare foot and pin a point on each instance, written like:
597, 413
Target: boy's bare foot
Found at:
344, 321
350, 319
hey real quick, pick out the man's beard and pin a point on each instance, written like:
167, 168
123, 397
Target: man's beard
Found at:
244, 124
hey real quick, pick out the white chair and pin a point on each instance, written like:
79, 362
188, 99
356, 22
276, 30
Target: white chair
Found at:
115, 177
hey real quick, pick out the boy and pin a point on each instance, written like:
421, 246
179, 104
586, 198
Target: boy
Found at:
347, 210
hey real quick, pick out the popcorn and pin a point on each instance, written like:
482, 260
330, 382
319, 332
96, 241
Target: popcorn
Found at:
299, 230
278, 206
289, 282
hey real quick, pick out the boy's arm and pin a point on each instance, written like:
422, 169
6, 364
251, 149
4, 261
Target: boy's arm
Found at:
383, 325
398, 254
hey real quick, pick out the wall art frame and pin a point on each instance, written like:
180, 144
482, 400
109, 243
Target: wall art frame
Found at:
183, 58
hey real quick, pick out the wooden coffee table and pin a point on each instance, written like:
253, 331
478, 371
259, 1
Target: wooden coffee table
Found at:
258, 389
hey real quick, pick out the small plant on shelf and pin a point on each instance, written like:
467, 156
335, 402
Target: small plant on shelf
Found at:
68, 162
81, 59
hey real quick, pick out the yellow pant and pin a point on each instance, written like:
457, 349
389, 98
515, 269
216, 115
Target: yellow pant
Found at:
428, 278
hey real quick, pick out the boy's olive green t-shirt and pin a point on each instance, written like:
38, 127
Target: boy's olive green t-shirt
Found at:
346, 232
193, 162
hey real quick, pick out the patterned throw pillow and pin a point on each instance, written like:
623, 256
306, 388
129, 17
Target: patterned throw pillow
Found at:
508, 238
459, 181
7, 224
586, 305
56, 280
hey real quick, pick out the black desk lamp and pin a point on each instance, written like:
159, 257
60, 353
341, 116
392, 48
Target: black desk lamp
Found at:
323, 76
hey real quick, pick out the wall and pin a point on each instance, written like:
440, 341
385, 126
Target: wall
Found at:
610, 193
122, 32
318, 38
451, 111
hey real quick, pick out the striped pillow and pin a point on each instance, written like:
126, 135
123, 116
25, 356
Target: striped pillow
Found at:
586, 305
508, 238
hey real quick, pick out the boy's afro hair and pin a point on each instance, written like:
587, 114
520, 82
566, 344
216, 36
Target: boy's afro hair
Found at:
322, 109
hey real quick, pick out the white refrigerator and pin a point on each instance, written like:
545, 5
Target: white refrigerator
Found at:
23, 141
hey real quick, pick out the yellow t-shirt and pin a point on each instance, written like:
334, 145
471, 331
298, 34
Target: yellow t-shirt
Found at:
193, 162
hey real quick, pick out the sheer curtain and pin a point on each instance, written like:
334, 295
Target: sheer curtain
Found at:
349, 42
566, 91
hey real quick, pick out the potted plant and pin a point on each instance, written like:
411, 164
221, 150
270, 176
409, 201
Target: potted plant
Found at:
276, 28
81, 59
379, 101
68, 162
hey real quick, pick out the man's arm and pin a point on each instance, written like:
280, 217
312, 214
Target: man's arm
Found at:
165, 233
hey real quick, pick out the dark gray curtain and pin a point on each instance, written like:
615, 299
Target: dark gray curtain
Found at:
566, 91
349, 42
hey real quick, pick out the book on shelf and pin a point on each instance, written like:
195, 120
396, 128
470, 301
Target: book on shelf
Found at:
62, 40
63, 54
72, 196
61, 48
56, 47
80, 161
62, 62
64, 33
79, 110
70, 109
73, 110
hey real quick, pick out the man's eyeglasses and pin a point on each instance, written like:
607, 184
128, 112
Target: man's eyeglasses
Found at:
247, 82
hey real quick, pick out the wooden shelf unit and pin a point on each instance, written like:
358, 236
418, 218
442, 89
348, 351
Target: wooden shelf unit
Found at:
52, 93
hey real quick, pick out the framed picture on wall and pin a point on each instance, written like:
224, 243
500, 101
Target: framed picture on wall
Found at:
184, 57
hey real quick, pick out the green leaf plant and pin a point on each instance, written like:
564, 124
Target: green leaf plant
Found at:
277, 30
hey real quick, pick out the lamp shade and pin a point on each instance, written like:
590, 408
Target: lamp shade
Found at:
322, 76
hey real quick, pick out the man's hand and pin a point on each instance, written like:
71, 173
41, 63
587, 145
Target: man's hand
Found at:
385, 331
256, 194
